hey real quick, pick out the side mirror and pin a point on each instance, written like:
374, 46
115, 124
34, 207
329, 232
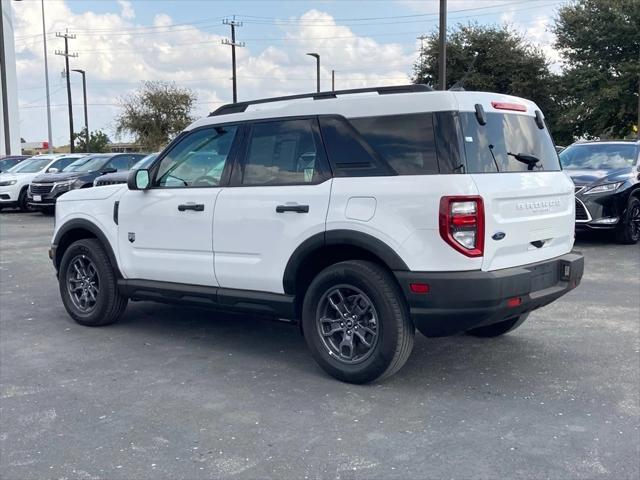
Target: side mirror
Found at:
53, 170
109, 170
139, 180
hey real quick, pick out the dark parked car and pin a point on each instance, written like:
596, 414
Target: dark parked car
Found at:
11, 161
122, 176
45, 189
607, 182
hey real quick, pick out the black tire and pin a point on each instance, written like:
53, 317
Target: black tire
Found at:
22, 201
628, 232
498, 329
109, 304
393, 342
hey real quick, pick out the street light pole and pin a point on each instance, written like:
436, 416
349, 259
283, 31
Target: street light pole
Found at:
84, 94
317, 57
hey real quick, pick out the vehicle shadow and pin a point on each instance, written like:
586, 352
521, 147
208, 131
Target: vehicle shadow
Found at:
595, 237
460, 362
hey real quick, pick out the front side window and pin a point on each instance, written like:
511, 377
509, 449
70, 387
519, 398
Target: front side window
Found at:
599, 156
198, 160
87, 164
281, 153
508, 142
406, 142
119, 162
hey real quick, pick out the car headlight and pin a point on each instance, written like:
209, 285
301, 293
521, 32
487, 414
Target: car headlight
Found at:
605, 188
6, 183
61, 185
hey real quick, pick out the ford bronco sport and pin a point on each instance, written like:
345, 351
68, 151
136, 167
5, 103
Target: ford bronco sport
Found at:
364, 214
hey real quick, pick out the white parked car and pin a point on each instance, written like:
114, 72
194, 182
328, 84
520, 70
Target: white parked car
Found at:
364, 214
14, 183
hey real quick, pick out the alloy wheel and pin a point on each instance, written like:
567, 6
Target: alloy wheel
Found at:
348, 324
82, 283
634, 222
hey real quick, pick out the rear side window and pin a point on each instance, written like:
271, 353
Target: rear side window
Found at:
281, 153
496, 146
405, 142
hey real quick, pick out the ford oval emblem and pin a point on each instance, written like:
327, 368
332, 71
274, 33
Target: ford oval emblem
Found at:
498, 235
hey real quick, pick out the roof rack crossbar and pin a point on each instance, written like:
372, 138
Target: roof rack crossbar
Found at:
242, 106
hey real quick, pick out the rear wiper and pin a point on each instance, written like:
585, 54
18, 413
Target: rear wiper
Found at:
529, 160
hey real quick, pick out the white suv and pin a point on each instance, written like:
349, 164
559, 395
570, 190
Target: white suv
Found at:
363, 213
14, 183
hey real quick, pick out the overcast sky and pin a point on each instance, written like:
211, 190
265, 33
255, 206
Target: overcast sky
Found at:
121, 43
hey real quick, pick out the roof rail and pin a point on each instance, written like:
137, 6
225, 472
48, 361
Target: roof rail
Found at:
242, 106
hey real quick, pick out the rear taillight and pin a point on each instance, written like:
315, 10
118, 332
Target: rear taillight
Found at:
462, 224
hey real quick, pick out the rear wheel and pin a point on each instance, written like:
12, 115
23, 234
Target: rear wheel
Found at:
88, 285
498, 329
629, 230
355, 322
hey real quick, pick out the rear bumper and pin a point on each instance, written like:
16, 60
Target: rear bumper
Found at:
460, 301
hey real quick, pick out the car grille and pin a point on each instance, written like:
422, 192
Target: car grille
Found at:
581, 211
40, 188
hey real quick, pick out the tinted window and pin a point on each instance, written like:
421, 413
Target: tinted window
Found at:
87, 164
349, 154
405, 142
7, 164
119, 162
488, 146
281, 153
198, 160
599, 156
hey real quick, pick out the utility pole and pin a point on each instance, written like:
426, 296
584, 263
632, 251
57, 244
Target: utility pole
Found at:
333, 80
317, 57
67, 36
233, 24
422, 38
442, 46
46, 80
84, 95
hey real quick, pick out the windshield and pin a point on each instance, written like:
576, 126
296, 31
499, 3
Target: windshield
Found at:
87, 164
599, 156
144, 162
505, 143
31, 165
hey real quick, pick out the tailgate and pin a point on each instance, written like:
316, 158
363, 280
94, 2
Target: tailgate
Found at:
533, 212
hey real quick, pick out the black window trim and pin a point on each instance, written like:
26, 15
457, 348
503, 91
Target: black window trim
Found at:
226, 172
322, 163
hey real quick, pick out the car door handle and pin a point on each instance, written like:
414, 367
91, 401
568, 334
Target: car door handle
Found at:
292, 208
196, 207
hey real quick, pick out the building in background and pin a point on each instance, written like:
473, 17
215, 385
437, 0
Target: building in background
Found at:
9, 124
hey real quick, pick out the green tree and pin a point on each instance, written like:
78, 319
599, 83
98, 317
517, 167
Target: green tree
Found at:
98, 141
155, 113
600, 43
493, 59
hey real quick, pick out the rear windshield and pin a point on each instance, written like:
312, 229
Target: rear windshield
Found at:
507, 143
599, 156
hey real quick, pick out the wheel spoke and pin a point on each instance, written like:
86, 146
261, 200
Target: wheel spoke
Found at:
346, 345
362, 336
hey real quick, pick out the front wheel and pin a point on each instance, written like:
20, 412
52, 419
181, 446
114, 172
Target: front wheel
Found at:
22, 201
629, 230
356, 323
88, 284
497, 329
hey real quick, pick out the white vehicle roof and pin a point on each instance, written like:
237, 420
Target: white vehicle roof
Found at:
368, 104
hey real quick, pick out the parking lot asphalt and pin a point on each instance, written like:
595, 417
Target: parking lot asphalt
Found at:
173, 392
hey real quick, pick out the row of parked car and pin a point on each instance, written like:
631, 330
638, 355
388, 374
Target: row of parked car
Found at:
34, 183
